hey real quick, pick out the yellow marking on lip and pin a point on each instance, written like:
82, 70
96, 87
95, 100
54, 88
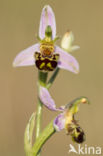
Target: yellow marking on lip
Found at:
49, 65
42, 65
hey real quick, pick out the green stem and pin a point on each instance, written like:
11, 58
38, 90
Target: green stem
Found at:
38, 119
42, 76
43, 137
42, 81
50, 82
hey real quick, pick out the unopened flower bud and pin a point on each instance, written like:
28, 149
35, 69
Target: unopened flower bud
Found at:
67, 42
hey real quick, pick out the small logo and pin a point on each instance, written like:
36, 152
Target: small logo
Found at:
85, 149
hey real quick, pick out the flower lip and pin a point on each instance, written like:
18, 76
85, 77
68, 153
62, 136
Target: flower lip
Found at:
78, 134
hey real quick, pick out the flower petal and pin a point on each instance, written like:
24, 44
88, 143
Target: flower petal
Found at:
26, 57
67, 61
47, 18
47, 100
59, 122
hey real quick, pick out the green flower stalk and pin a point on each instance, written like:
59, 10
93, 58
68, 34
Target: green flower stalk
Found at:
42, 81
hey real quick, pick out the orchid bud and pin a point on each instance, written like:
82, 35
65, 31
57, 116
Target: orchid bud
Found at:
67, 42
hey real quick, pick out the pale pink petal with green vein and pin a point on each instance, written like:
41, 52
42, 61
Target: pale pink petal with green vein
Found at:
47, 18
47, 100
59, 122
26, 57
67, 61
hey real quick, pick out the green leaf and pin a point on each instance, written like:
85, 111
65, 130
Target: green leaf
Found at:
28, 135
43, 137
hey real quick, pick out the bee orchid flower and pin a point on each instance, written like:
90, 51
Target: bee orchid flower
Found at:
65, 120
45, 54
